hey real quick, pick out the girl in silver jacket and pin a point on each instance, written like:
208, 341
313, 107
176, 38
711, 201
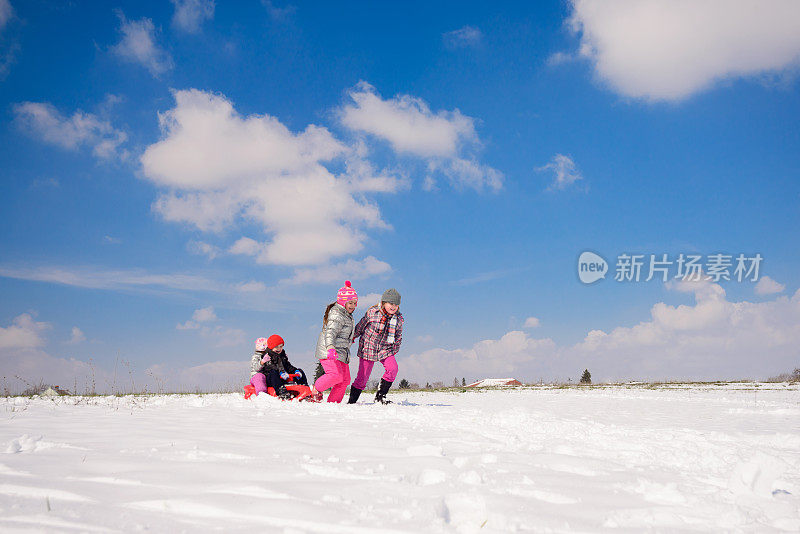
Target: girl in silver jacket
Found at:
333, 345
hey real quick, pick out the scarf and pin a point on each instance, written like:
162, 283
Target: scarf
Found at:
391, 328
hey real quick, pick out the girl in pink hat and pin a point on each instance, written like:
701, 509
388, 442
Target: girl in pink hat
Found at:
333, 345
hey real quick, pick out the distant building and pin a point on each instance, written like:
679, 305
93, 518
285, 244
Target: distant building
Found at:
489, 382
54, 391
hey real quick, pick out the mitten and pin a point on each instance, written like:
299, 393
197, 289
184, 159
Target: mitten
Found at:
284, 376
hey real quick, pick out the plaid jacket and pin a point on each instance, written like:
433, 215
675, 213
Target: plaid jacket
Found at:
372, 331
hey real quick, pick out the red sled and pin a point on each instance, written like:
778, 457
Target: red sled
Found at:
303, 393
299, 392
250, 390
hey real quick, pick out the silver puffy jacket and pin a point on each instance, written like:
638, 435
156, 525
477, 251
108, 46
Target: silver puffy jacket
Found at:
336, 333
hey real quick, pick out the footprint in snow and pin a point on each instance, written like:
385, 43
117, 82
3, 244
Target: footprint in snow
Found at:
23, 443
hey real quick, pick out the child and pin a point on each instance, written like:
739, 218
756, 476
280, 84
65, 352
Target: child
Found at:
333, 345
270, 367
381, 331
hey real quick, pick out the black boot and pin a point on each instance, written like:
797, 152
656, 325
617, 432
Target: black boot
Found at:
380, 396
354, 393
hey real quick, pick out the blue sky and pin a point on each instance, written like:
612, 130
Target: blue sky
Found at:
179, 178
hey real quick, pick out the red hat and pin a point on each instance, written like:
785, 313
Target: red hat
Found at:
274, 340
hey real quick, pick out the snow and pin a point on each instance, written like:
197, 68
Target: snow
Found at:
685, 458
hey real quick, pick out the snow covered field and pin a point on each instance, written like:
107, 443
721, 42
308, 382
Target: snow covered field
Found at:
616, 459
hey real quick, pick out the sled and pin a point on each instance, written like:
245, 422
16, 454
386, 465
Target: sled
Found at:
298, 392
250, 390
302, 393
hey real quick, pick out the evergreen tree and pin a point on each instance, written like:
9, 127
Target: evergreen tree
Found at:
404, 384
319, 371
587, 377
455, 382
464, 382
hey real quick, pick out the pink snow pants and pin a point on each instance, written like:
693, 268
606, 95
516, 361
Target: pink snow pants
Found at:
336, 377
259, 381
365, 368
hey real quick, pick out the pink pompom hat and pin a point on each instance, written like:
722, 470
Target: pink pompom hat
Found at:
346, 294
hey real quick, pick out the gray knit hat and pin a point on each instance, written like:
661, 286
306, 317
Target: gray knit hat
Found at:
391, 296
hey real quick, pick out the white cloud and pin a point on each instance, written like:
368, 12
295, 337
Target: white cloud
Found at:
469, 173
768, 286
228, 293
246, 246
252, 286
223, 148
77, 336
32, 367
190, 14
279, 14
211, 376
446, 140
671, 49
7, 58
710, 340
6, 12
115, 279
220, 336
429, 184
559, 58
407, 123
465, 37
219, 374
202, 315
347, 270
43, 121
110, 240
23, 333
44, 183
531, 322
715, 338
366, 300
209, 211
565, 172
11, 46
138, 45
223, 336
219, 166
365, 178
203, 249
507, 356
25, 364
486, 276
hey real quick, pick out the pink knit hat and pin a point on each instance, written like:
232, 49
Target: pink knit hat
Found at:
346, 294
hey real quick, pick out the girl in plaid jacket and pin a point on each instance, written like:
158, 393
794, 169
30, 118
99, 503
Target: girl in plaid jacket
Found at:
380, 332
